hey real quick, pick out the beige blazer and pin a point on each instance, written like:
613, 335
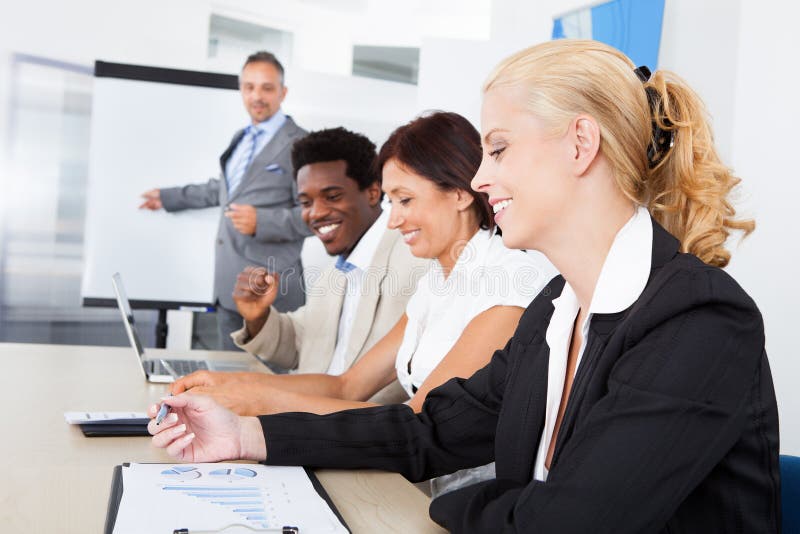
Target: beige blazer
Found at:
304, 340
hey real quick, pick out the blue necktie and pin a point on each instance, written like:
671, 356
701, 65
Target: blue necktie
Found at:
344, 265
245, 156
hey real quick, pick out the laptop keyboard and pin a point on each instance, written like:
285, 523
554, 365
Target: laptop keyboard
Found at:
181, 367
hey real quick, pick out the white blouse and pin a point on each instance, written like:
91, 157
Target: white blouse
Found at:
486, 274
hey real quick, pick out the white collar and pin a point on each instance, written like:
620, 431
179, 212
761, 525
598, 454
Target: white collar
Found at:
474, 250
627, 266
471, 254
362, 255
622, 278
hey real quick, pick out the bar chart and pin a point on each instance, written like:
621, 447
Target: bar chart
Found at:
252, 504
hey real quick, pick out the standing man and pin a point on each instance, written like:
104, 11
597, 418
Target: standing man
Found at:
261, 221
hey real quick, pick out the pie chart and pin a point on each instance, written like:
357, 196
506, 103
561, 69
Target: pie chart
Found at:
181, 473
238, 473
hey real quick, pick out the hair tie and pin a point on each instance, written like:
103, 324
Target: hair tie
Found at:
662, 140
643, 73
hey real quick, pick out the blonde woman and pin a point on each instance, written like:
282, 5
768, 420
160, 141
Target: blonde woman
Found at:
635, 394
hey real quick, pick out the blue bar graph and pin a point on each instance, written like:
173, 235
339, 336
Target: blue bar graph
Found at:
247, 501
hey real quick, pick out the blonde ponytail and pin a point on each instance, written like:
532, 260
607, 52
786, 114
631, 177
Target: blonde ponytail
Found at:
688, 188
685, 187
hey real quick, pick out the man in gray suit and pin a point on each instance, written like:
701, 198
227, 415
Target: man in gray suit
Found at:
261, 222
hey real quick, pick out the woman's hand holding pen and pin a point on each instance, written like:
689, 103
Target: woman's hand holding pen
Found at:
200, 430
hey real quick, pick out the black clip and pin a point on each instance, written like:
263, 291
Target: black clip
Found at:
662, 139
643, 73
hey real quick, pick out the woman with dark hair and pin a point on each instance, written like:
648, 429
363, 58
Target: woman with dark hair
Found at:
463, 309
442, 148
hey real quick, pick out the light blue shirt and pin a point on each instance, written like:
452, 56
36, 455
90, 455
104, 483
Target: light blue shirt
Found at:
268, 128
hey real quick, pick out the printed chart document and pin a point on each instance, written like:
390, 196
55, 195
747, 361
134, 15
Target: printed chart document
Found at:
164, 497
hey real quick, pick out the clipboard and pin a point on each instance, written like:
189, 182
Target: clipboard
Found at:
115, 497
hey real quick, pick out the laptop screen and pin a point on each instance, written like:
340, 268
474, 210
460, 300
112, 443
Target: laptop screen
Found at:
127, 314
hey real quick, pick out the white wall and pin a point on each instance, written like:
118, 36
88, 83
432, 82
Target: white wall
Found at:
766, 125
704, 53
146, 32
452, 71
5, 96
175, 33
451, 74
372, 107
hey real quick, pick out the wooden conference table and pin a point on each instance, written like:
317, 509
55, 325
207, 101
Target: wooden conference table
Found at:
53, 479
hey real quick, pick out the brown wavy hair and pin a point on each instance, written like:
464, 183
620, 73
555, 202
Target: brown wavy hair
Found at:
687, 190
445, 148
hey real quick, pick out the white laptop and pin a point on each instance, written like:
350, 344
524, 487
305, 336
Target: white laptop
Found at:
162, 370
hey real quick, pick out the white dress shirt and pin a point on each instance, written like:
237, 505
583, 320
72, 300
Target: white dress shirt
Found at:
622, 279
486, 274
361, 258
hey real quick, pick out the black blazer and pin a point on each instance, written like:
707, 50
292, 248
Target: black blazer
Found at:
671, 424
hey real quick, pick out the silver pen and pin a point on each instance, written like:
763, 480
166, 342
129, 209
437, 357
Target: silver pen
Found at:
162, 412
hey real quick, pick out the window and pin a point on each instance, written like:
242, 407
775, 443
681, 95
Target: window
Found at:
394, 63
230, 41
41, 227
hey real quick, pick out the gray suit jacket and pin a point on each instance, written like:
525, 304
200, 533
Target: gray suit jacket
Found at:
305, 339
268, 185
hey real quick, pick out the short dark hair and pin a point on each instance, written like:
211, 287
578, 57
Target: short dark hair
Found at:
444, 148
335, 144
265, 57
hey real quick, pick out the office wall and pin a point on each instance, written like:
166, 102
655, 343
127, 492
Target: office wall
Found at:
5, 96
765, 152
699, 41
137, 32
150, 32
451, 73
174, 33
